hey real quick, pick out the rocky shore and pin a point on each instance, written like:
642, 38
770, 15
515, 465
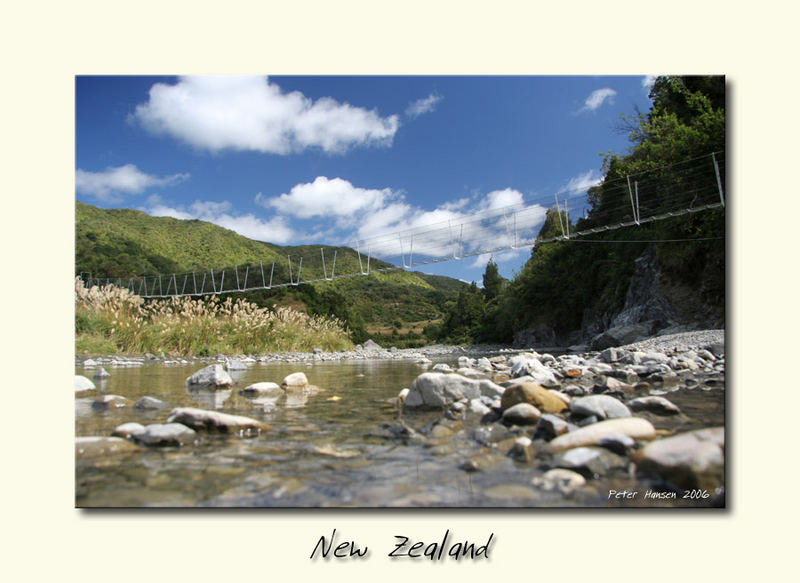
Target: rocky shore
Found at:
372, 351
573, 422
586, 416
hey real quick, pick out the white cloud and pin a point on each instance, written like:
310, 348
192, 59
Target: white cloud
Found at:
597, 98
246, 113
648, 81
275, 230
499, 199
109, 184
583, 182
453, 228
422, 106
327, 197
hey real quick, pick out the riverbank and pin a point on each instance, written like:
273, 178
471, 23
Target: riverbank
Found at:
680, 342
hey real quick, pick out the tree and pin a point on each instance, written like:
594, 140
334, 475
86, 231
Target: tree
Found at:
492, 282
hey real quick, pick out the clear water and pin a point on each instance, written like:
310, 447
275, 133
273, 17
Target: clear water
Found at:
322, 450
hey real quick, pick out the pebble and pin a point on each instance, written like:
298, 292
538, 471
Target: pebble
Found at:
83, 384
521, 414
600, 406
551, 426
654, 404
589, 461
633, 427
566, 481
296, 380
205, 420
128, 430
166, 434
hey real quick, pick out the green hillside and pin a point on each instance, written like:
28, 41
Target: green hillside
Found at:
122, 243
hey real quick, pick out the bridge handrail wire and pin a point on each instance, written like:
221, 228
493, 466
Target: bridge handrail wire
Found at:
692, 186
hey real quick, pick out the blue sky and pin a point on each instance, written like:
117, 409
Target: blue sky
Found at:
353, 160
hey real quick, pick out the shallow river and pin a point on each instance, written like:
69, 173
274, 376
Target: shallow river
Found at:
324, 449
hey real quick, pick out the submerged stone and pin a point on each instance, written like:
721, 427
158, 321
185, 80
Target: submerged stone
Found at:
149, 403
88, 447
109, 402
166, 434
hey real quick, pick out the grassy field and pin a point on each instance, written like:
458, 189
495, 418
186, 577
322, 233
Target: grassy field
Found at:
110, 320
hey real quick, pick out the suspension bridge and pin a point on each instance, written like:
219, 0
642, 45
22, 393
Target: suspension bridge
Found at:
691, 186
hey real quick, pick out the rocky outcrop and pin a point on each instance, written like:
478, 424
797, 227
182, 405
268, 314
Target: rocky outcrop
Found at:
653, 305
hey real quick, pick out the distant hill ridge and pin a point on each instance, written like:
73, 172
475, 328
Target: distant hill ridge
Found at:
125, 243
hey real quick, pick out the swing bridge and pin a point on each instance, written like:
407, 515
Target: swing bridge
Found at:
691, 186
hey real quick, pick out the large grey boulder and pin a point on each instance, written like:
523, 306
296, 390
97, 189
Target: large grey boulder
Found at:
436, 390
695, 459
210, 376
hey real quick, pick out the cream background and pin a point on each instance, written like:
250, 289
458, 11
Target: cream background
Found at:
44, 44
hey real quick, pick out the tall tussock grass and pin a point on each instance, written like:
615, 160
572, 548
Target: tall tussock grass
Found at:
111, 320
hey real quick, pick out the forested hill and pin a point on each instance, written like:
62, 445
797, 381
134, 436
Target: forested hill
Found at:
623, 284
124, 242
